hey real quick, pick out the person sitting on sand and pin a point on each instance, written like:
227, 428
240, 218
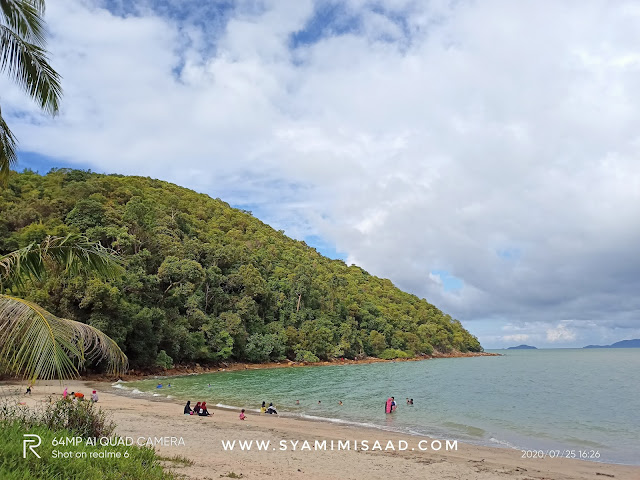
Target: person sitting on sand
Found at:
187, 408
28, 392
271, 409
94, 396
197, 408
203, 411
263, 408
242, 416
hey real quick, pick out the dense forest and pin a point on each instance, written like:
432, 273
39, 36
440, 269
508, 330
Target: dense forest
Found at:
204, 282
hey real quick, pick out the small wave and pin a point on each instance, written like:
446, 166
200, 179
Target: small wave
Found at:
228, 407
157, 395
136, 391
170, 396
337, 420
118, 385
502, 442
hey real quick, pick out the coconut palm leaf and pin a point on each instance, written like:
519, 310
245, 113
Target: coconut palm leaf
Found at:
8, 156
25, 18
72, 255
27, 63
24, 58
39, 345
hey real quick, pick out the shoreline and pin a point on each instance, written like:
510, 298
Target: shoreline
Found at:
203, 437
150, 396
234, 366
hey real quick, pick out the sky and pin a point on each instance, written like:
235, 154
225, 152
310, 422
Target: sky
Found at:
481, 155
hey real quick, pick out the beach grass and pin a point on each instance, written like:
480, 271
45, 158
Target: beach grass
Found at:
133, 463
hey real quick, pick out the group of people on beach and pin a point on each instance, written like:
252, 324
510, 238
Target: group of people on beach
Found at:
270, 409
200, 409
78, 396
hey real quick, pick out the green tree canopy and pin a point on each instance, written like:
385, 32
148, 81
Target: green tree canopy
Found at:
205, 282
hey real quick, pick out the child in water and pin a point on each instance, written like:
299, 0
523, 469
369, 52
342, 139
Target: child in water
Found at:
263, 408
242, 415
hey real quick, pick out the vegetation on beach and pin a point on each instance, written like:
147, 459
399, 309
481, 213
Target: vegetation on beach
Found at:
204, 282
62, 420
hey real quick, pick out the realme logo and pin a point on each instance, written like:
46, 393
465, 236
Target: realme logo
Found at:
30, 438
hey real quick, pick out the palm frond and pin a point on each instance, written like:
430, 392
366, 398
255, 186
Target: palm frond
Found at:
27, 63
25, 18
8, 156
73, 255
39, 345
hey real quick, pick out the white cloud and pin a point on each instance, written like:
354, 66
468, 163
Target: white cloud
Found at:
560, 334
471, 130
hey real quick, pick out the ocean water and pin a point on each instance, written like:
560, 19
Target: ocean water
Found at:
561, 399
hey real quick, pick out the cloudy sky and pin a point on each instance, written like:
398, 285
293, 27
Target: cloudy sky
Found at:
483, 155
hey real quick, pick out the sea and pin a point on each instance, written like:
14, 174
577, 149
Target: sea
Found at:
585, 401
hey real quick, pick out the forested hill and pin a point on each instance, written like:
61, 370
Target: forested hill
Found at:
205, 282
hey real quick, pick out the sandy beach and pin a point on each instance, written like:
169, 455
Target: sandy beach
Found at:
200, 439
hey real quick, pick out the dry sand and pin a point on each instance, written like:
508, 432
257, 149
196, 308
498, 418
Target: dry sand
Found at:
203, 436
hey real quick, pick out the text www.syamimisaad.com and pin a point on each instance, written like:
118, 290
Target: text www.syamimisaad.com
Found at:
330, 445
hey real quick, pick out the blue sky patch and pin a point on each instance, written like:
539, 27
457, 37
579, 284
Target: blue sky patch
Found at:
449, 282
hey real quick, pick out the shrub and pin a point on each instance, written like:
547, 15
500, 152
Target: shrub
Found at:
391, 353
427, 348
306, 356
163, 360
82, 418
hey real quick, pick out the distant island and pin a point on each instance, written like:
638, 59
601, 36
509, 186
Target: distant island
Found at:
522, 347
635, 343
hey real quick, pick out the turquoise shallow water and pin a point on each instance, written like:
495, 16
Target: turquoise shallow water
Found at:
582, 399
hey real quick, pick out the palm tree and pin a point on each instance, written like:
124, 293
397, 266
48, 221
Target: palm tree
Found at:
24, 58
36, 343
